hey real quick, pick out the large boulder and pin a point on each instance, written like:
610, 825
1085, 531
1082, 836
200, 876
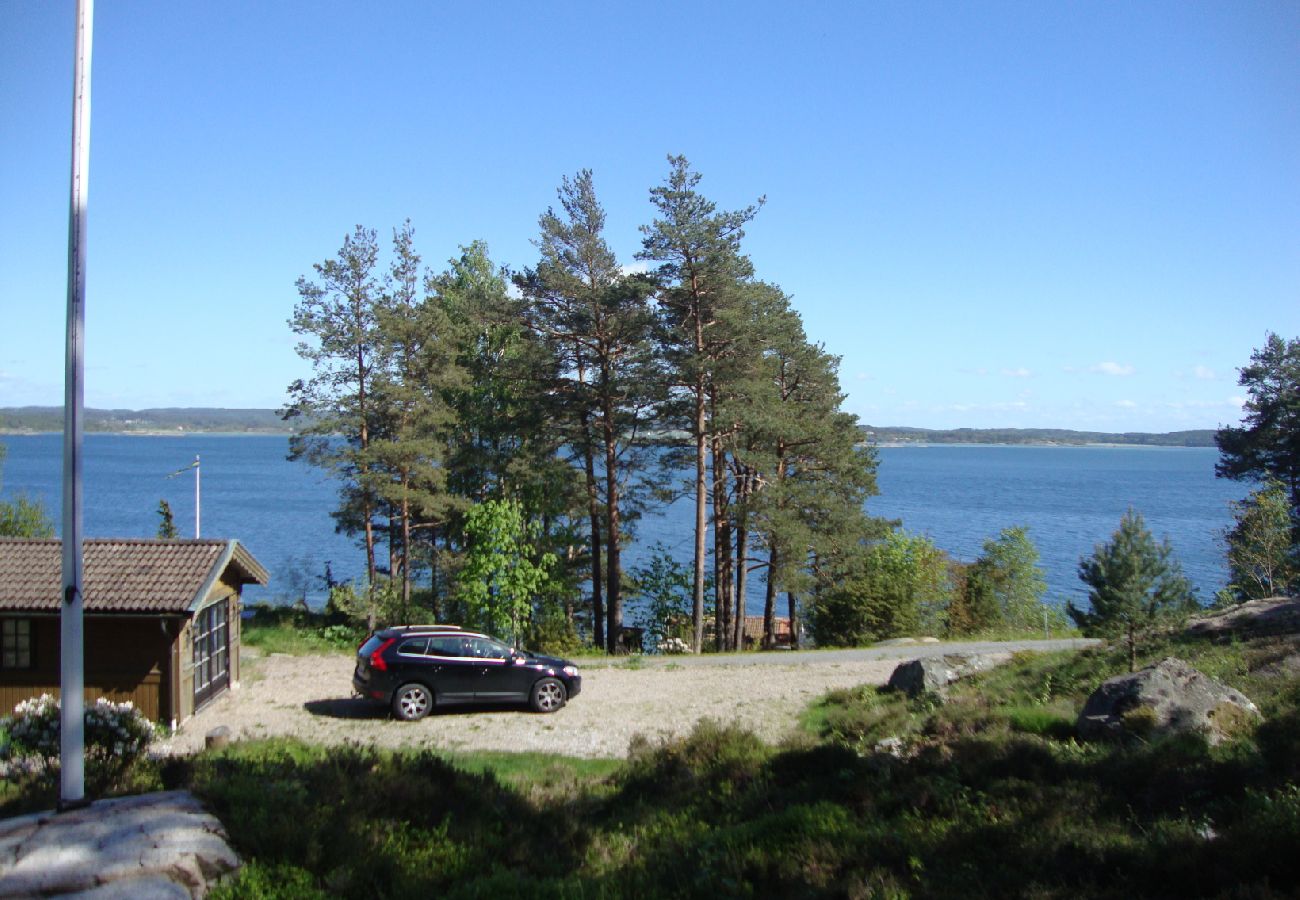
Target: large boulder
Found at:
932, 674
1276, 615
1166, 697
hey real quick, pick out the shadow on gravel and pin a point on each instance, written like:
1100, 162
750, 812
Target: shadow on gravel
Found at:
349, 708
357, 708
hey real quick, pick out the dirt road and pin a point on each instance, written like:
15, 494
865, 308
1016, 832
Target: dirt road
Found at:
310, 697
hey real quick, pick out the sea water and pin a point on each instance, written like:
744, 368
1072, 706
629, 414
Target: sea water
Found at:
1070, 498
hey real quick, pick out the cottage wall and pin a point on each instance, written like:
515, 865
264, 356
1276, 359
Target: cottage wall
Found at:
126, 658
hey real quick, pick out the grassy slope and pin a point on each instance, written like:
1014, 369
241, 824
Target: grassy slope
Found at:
992, 797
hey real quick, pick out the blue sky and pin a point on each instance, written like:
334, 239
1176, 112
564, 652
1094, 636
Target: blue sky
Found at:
1079, 215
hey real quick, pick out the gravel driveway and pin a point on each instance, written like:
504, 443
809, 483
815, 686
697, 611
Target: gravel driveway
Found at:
309, 697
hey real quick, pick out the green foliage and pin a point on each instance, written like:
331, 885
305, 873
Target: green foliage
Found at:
503, 573
550, 631
988, 795
300, 632
23, 517
166, 523
1267, 444
663, 587
116, 737
1135, 585
896, 586
26, 518
1003, 589
1261, 558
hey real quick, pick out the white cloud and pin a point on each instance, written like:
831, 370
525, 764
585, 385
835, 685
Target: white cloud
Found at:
862, 376
1112, 368
1126, 404
1204, 373
1021, 372
634, 268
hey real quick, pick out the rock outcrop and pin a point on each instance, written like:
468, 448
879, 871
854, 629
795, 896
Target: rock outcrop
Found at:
1166, 697
933, 674
1276, 615
161, 845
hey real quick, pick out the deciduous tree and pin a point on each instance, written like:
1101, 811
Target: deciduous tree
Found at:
894, 587
1261, 559
503, 571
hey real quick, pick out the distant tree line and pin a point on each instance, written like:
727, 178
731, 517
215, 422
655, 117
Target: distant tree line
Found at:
50, 419
905, 435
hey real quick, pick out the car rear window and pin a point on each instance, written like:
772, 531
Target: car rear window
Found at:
371, 645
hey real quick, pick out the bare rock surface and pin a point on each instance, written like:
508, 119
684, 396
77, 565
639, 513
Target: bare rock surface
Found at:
933, 674
1276, 615
1167, 696
161, 845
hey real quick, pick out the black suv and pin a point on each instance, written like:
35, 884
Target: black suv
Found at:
413, 667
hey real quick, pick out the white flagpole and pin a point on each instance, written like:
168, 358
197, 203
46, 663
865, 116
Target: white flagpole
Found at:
196, 496
72, 749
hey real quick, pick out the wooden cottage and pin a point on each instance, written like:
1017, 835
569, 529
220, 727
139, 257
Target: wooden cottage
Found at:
161, 620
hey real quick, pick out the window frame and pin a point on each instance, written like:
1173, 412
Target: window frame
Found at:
11, 628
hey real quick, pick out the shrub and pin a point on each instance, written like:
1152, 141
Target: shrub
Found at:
116, 737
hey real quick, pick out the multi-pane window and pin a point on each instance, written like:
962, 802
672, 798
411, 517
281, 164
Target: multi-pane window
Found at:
211, 647
16, 643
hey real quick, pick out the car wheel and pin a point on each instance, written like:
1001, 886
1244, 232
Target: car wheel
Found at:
548, 695
412, 701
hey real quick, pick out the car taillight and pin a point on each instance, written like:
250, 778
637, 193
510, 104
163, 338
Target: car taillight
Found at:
377, 658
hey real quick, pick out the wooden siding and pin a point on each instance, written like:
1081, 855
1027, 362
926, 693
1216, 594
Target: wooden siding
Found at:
148, 660
126, 659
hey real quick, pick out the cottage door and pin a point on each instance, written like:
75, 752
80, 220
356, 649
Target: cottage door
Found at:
211, 652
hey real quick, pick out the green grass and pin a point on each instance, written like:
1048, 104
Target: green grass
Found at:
298, 632
991, 796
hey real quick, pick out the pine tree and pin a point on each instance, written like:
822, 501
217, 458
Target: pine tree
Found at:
1267, 444
599, 326
1135, 585
415, 368
700, 267
166, 524
336, 317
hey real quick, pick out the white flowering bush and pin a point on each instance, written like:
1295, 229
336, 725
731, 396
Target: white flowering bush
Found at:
674, 645
116, 735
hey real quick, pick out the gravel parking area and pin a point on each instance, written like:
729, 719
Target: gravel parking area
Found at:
309, 697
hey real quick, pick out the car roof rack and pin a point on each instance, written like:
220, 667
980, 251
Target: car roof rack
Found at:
431, 627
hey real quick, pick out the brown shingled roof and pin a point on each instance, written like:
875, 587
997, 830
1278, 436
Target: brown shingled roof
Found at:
122, 575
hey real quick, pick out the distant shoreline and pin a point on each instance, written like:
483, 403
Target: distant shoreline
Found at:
179, 422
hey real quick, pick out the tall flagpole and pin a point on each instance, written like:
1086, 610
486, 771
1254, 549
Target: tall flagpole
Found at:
196, 496
72, 750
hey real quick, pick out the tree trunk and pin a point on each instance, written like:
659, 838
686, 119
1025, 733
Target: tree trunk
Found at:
743, 488
769, 600
433, 574
406, 548
593, 513
722, 571
613, 575
793, 607
701, 518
